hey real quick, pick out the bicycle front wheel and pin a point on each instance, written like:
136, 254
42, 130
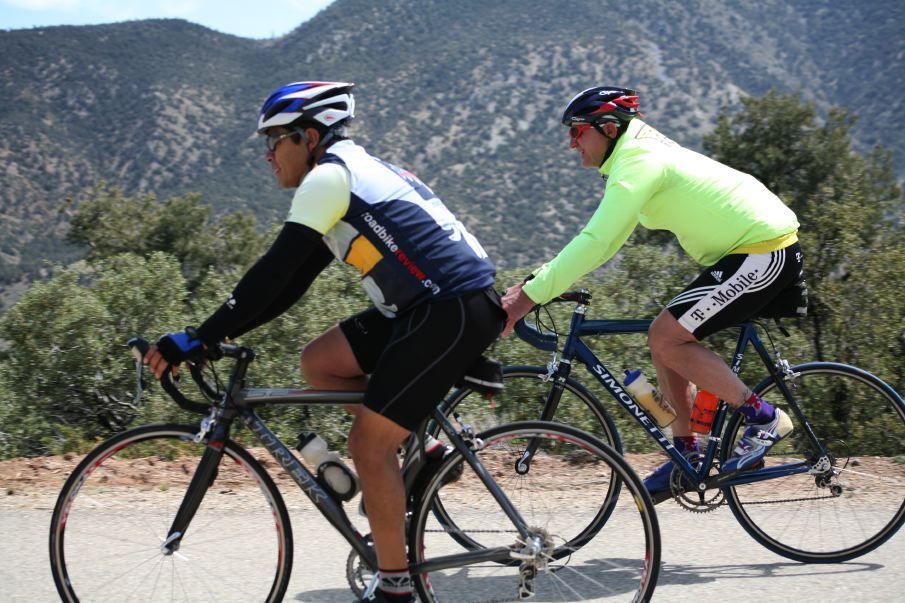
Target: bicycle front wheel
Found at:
558, 497
858, 502
116, 508
524, 397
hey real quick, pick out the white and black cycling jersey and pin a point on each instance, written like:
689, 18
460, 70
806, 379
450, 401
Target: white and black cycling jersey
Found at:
381, 219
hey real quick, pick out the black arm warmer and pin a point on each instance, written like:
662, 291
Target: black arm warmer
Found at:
272, 285
304, 276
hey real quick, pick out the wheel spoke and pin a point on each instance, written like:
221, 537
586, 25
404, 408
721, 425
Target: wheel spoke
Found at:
237, 547
588, 552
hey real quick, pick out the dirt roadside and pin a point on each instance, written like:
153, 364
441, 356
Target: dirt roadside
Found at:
35, 482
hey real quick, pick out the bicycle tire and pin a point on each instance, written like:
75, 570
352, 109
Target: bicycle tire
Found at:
116, 508
570, 471
860, 420
523, 398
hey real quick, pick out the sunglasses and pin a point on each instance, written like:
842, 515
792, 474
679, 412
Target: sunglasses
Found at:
272, 140
576, 132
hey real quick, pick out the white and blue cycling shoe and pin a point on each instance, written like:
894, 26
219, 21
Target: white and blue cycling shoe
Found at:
756, 441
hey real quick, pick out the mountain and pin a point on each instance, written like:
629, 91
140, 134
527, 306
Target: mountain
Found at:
466, 93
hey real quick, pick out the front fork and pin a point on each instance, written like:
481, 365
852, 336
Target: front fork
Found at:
205, 474
558, 375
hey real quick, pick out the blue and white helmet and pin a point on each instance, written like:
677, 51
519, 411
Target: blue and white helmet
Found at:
327, 103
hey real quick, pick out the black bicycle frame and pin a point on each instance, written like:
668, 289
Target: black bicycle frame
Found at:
575, 347
243, 405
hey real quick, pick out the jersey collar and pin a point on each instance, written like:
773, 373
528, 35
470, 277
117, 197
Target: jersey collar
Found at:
630, 132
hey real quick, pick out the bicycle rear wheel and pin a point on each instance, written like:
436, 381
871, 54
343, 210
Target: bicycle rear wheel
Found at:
115, 511
524, 397
559, 497
859, 504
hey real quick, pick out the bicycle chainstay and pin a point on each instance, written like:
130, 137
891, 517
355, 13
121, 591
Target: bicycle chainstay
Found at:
681, 495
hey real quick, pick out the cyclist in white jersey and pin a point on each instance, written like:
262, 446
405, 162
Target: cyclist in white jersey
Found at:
429, 279
726, 220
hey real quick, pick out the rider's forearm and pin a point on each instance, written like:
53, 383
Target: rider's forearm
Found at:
263, 284
293, 291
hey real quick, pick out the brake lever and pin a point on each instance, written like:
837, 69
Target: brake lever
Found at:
139, 347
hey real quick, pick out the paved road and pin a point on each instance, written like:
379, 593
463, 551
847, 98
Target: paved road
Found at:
706, 558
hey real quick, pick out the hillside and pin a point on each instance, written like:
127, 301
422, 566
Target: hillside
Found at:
466, 93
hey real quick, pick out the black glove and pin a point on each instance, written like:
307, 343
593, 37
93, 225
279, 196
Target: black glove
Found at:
176, 348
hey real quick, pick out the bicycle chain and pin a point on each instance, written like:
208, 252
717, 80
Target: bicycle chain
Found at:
695, 507
474, 531
684, 500
683, 496
784, 500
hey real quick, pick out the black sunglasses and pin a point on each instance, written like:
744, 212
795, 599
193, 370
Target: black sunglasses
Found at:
272, 140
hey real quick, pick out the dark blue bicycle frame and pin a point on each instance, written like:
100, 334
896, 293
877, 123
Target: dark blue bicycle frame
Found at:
575, 347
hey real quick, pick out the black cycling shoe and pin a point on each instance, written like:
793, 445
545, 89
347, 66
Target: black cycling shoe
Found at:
485, 376
435, 456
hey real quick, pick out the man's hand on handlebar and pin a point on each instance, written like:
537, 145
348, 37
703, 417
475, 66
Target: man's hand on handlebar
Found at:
157, 363
516, 304
172, 350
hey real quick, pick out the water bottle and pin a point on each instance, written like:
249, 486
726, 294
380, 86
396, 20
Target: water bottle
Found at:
703, 411
331, 471
649, 398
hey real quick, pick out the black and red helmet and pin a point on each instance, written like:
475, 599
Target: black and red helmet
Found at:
601, 104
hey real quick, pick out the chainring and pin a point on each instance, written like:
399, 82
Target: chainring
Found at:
690, 499
358, 574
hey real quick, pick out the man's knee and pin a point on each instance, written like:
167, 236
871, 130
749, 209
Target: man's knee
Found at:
373, 436
666, 334
327, 356
656, 335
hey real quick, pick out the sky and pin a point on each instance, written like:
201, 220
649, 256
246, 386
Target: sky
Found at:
245, 18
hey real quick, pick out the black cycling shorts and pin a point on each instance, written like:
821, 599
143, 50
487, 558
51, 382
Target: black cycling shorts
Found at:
415, 358
740, 287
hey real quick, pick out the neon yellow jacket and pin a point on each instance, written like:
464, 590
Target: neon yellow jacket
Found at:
712, 209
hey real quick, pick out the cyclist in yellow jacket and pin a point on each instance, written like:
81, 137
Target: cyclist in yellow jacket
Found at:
726, 220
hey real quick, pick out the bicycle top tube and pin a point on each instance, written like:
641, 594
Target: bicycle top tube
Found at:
581, 326
255, 397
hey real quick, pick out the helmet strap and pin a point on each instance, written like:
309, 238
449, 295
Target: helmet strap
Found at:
330, 136
620, 129
301, 132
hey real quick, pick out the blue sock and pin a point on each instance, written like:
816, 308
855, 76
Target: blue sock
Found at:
757, 411
686, 443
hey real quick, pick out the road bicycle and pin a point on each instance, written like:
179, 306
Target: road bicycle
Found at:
833, 490
186, 513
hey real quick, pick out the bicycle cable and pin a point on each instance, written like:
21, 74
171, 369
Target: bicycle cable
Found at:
541, 325
218, 383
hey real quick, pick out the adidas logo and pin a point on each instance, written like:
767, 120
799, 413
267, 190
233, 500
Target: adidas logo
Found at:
718, 275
